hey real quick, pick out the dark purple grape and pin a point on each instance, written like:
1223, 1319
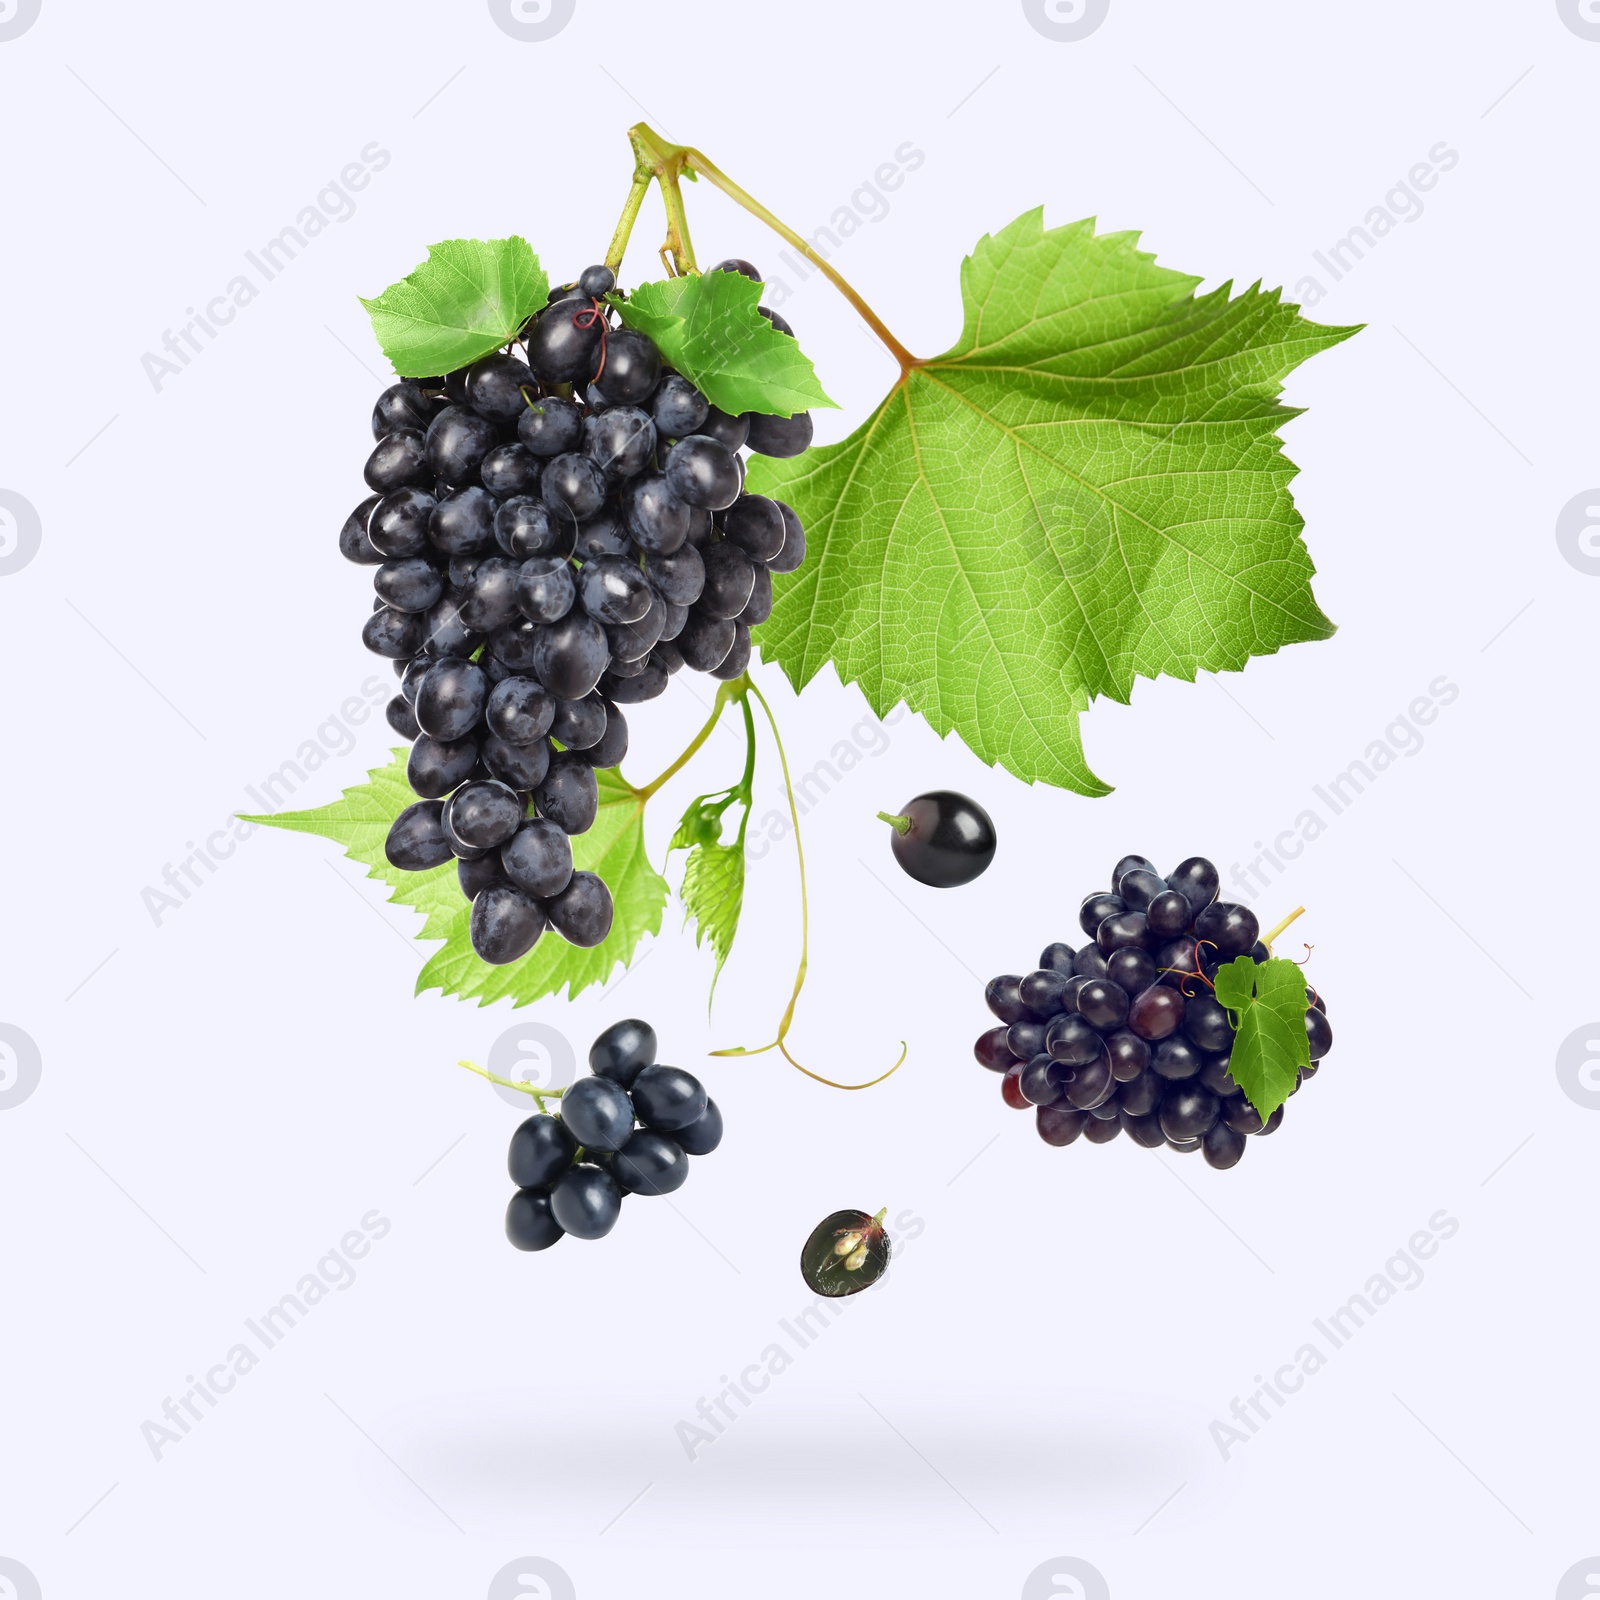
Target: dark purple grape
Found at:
1168, 914
1216, 1077
737, 658
450, 699
613, 743
398, 523
1174, 1057
1067, 1039
1089, 963
1038, 1087
537, 858
651, 1163
1273, 1123
531, 1222
586, 1201
1139, 887
703, 1135
1196, 880
401, 717
1057, 958
1026, 1039
570, 655
730, 431
1010, 1092
702, 472
677, 407
462, 523
545, 588
573, 487
668, 1098
523, 766
598, 1113
402, 405
1041, 991
491, 599
505, 924
1156, 1012
1132, 864
656, 518
524, 527
779, 436
354, 545
620, 442
1131, 968
679, 576
755, 525
1130, 1054
1188, 1111
650, 681
494, 386
569, 795
631, 369
1141, 1095
740, 265
550, 426
395, 635
705, 641
510, 470
1222, 1146
484, 815
1003, 996
1096, 908
398, 459
581, 723
730, 578
1178, 961
564, 342
542, 1149
1207, 1024
437, 766
1103, 1003
458, 440
1240, 1115
1232, 929
477, 875
1101, 1132
416, 838
1319, 1033
1123, 931
1145, 1130
410, 584
613, 589
992, 1050
1059, 1124
793, 554
1088, 1084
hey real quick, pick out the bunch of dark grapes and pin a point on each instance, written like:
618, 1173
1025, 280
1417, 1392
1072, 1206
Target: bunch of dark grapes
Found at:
1124, 1035
630, 1128
556, 529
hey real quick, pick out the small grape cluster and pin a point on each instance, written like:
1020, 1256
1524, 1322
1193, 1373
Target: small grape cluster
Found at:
630, 1128
557, 528
1124, 1034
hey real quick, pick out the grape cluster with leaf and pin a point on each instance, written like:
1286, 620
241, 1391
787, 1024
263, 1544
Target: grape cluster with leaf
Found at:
1087, 488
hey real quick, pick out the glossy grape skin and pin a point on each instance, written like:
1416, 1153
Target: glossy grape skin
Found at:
395, 635
581, 723
782, 437
437, 766
623, 1050
677, 407
509, 470
416, 838
1318, 1033
657, 520
613, 589
450, 699
525, 527
570, 655
1059, 1124
1011, 1089
462, 523
1131, 968
1214, 1074
1145, 1130
457, 442
564, 341
569, 794
545, 589
1102, 1003
582, 913
598, 1113
666, 1098
542, 1149
651, 1163
993, 1051
777, 321
793, 554
586, 1201
1003, 996
401, 717
705, 641
402, 405
1089, 1084
410, 584
703, 1135
620, 442
1274, 1122
679, 576
1026, 1039
738, 264
1240, 1115
738, 656
1096, 908
1037, 1083
613, 744
727, 430
530, 1221
729, 582
572, 487
411, 679
596, 281
537, 858
1168, 914
523, 766
1175, 1058
398, 524
700, 471
633, 641
474, 877
1177, 961
1141, 1095
950, 839
1188, 1111
494, 385
1122, 931
1097, 1131
1057, 958
1186, 1147
1139, 887
632, 368
756, 525
649, 682
1231, 928
1196, 880
1222, 1146
491, 599
1156, 1012
485, 813
398, 459
1089, 963
505, 924
550, 426
519, 710
1207, 1025
1041, 993
1129, 1054
354, 545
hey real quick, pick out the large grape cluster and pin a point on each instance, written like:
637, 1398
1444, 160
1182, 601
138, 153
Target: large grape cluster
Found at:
629, 1128
1125, 1035
556, 529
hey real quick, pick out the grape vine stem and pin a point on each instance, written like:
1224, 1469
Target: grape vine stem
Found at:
658, 159
539, 1095
1271, 934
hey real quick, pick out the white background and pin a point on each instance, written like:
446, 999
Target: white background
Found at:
226, 1094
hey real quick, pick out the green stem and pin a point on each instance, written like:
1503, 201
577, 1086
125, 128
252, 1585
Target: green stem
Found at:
726, 693
901, 825
785, 1022
630, 214
1267, 938
539, 1095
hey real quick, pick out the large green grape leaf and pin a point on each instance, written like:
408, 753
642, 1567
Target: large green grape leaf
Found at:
707, 327
1268, 1007
613, 847
1087, 488
469, 297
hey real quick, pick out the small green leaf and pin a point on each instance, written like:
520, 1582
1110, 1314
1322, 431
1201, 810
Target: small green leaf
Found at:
1267, 1003
713, 895
469, 297
1087, 489
701, 823
613, 847
707, 327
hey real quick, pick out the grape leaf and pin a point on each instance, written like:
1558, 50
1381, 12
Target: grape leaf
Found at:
1267, 1004
713, 895
469, 297
1087, 488
613, 847
707, 327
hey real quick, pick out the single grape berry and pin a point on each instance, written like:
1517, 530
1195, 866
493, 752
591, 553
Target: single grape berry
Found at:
623, 1051
845, 1253
667, 1098
942, 839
